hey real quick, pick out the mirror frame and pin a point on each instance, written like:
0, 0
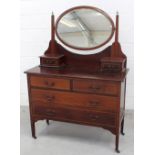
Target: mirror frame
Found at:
85, 7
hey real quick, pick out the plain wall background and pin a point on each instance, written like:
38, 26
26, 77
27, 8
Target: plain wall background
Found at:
35, 34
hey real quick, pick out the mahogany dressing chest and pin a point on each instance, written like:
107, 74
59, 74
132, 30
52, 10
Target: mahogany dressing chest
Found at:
81, 88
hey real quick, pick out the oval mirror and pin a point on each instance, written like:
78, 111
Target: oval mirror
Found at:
84, 28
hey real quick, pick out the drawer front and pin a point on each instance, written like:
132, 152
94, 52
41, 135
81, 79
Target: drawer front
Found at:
99, 87
55, 83
74, 115
52, 112
52, 98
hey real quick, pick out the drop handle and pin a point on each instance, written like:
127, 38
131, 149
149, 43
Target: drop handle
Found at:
95, 88
94, 103
50, 84
94, 117
52, 62
50, 98
50, 112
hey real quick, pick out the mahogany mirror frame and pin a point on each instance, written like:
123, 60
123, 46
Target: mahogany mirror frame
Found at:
85, 7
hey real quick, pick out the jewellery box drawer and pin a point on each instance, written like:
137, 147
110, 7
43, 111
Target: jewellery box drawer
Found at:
52, 98
74, 115
93, 86
45, 82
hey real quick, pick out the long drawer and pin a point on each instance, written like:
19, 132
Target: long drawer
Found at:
51, 98
98, 87
77, 115
55, 83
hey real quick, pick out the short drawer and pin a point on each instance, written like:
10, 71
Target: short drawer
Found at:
99, 87
56, 83
94, 102
75, 115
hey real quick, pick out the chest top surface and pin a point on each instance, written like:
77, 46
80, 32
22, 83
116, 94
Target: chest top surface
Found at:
70, 72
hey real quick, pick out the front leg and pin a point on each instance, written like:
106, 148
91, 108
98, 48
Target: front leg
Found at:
122, 127
47, 121
117, 143
33, 129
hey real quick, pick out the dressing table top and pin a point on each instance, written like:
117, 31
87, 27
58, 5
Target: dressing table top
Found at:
77, 73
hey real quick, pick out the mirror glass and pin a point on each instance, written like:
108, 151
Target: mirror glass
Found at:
84, 28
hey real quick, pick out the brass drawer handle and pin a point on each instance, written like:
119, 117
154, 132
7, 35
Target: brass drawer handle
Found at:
49, 84
94, 103
95, 88
94, 117
50, 112
50, 98
50, 61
